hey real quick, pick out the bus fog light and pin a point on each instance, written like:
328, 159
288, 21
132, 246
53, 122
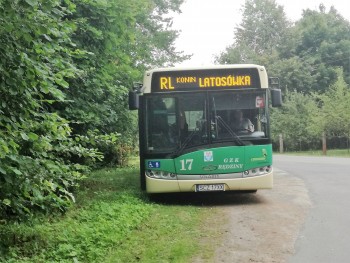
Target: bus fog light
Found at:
257, 171
158, 174
149, 173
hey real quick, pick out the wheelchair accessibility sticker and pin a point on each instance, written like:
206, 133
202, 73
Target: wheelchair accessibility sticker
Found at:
153, 164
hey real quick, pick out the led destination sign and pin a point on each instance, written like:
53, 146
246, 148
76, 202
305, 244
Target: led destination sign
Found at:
227, 78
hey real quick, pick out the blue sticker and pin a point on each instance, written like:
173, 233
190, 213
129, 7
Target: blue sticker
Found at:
153, 164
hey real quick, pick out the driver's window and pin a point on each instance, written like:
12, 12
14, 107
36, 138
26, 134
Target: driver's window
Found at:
237, 114
161, 117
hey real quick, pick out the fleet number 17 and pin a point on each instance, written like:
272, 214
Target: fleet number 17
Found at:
186, 164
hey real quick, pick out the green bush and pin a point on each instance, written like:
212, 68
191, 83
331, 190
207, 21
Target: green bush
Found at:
115, 148
35, 143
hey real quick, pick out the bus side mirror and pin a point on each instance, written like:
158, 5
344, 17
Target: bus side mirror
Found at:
134, 94
133, 100
276, 97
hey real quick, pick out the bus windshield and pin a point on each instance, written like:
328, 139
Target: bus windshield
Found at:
175, 122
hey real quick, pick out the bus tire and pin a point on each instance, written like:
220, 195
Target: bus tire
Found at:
249, 191
142, 182
142, 176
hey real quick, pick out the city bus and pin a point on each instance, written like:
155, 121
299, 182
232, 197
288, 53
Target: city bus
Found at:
205, 129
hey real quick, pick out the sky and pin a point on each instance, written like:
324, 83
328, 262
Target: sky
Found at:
207, 26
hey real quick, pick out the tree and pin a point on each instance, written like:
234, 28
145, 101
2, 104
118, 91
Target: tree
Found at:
65, 70
123, 38
294, 74
304, 55
307, 57
261, 32
293, 121
321, 41
304, 117
35, 143
333, 116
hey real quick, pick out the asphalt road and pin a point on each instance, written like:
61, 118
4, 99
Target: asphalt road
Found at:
305, 218
325, 235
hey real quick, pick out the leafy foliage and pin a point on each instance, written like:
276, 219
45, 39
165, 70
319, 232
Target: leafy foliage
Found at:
65, 70
293, 121
122, 37
311, 59
322, 41
35, 142
333, 112
304, 55
304, 117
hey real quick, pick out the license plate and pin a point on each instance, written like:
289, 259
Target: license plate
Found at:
209, 187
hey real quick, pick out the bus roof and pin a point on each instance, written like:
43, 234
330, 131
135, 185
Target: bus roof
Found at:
206, 67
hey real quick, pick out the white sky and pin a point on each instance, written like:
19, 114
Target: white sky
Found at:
207, 25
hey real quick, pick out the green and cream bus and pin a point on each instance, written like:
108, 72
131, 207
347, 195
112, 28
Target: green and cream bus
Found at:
205, 129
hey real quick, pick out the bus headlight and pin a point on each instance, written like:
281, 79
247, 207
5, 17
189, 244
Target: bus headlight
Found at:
158, 174
257, 171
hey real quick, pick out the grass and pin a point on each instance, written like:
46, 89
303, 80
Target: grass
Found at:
330, 153
112, 221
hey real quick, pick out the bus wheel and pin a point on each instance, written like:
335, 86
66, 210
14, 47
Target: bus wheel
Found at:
249, 191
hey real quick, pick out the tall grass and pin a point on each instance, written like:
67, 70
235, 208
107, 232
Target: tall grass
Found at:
331, 153
112, 221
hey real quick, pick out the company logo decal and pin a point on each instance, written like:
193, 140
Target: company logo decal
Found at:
208, 156
210, 167
262, 158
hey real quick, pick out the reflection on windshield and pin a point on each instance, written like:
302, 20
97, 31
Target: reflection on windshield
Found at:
238, 115
179, 121
176, 122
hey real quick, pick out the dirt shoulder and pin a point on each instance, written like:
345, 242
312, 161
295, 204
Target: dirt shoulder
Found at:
262, 227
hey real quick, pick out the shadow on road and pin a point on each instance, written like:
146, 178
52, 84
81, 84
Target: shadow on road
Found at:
208, 199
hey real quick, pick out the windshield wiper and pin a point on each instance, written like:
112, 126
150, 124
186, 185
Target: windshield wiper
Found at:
227, 127
186, 142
